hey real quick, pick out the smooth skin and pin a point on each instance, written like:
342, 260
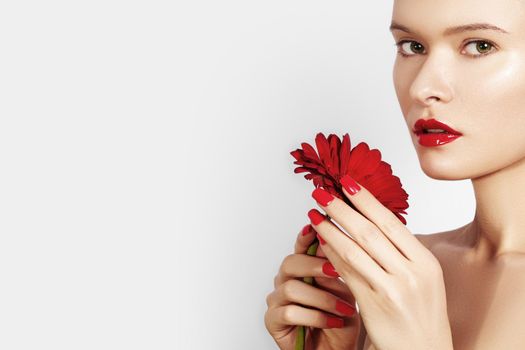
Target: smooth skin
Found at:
318, 302
396, 280
441, 76
478, 89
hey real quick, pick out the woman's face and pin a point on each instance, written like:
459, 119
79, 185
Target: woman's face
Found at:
476, 87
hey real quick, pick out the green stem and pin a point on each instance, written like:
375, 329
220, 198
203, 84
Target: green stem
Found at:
301, 330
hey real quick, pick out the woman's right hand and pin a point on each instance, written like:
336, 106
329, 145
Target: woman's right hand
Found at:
295, 303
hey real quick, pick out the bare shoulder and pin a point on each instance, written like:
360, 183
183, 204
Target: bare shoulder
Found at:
444, 245
431, 240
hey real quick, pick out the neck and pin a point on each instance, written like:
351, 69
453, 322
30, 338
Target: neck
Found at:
498, 226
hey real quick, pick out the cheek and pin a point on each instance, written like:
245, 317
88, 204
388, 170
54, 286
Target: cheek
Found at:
494, 88
493, 116
402, 77
489, 107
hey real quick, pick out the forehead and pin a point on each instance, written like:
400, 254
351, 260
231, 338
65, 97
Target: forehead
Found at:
431, 17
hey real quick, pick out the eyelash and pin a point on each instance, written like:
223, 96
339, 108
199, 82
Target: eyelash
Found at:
401, 42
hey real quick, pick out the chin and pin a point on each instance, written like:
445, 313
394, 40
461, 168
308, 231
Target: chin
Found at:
441, 169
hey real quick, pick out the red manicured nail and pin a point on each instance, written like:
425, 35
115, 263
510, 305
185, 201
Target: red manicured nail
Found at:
344, 308
321, 240
350, 185
315, 216
306, 230
322, 197
334, 322
329, 270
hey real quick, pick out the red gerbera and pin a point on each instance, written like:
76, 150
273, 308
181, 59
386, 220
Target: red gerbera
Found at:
337, 159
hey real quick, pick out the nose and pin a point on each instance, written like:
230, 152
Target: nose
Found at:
431, 84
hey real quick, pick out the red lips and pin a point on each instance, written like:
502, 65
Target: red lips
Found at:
422, 124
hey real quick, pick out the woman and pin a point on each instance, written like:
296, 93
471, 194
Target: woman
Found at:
461, 63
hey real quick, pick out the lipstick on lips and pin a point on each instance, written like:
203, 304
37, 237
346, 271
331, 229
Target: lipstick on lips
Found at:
433, 133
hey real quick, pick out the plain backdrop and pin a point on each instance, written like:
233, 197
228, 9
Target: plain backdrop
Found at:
147, 193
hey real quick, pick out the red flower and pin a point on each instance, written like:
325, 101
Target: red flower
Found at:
336, 159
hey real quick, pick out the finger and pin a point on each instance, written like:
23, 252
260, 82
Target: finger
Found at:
300, 265
364, 232
351, 257
390, 225
277, 319
294, 291
334, 286
337, 287
320, 253
358, 284
304, 239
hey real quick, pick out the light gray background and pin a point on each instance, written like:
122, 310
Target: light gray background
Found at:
147, 193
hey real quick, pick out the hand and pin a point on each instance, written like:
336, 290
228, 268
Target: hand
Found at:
397, 282
294, 302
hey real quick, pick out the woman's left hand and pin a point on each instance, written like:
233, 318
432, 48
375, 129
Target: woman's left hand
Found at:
397, 282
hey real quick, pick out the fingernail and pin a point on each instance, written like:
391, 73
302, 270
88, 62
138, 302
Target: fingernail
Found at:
329, 270
306, 230
321, 240
350, 185
322, 197
315, 216
344, 308
334, 322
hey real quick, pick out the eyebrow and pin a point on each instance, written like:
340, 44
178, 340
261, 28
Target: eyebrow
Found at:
454, 30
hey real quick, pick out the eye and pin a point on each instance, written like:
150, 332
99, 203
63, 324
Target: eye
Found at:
411, 44
482, 47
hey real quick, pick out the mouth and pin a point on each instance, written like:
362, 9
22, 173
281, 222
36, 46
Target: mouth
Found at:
432, 133
433, 126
